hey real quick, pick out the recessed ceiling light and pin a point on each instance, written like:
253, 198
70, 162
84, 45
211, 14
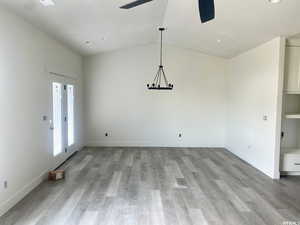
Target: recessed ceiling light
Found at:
47, 2
218, 40
274, 1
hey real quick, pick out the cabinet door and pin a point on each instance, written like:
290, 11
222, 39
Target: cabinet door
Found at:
292, 70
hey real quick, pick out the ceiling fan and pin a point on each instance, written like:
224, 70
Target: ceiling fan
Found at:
206, 8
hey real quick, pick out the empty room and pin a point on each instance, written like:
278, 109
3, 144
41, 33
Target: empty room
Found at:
150, 112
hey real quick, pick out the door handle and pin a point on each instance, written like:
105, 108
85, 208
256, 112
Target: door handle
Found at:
51, 125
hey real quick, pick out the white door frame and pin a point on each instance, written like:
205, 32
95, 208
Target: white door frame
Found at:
66, 150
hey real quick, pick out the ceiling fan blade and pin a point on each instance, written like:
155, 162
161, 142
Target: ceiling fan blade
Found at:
207, 10
135, 4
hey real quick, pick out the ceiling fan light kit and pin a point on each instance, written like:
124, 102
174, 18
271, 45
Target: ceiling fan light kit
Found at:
160, 81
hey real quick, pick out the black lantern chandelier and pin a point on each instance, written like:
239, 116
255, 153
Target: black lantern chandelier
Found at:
160, 81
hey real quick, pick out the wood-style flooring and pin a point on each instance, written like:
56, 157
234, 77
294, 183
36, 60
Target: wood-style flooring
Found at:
159, 186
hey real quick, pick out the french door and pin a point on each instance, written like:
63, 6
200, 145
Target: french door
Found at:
62, 119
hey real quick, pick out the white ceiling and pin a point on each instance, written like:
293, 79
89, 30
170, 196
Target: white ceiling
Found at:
239, 24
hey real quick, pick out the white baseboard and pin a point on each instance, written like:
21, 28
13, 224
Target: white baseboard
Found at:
11, 202
18, 196
253, 164
113, 143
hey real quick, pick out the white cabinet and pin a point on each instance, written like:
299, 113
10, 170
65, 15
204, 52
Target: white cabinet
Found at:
290, 160
290, 142
292, 70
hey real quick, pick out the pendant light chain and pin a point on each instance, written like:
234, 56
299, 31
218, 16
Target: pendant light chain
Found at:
161, 47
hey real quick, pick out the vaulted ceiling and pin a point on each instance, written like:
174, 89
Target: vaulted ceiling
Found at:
239, 24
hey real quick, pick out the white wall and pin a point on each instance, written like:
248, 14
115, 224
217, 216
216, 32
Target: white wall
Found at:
117, 100
24, 98
255, 91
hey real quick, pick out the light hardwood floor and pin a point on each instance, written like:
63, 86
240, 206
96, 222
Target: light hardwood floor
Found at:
157, 186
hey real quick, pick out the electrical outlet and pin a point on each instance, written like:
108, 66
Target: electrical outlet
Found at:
5, 184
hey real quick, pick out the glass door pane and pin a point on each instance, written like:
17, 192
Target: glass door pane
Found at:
70, 100
57, 118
